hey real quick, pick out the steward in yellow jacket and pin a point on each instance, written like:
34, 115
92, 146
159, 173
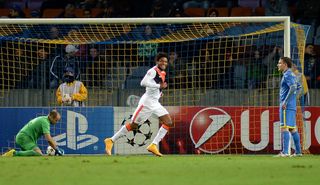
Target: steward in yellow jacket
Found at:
72, 92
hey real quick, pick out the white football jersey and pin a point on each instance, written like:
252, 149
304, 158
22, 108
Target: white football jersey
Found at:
152, 82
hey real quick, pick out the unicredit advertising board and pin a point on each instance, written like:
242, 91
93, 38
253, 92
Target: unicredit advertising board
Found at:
236, 130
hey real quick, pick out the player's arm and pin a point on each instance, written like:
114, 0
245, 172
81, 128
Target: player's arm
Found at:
54, 145
148, 80
292, 87
59, 96
46, 133
82, 95
50, 140
292, 90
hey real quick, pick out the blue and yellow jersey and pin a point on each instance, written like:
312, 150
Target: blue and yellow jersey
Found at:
289, 79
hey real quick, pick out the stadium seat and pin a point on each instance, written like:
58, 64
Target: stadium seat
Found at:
116, 78
195, 12
4, 12
133, 81
249, 3
139, 72
96, 11
27, 12
35, 4
317, 36
223, 12
52, 13
240, 11
259, 11
78, 12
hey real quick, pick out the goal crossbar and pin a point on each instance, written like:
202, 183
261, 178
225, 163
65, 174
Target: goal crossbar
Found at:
284, 19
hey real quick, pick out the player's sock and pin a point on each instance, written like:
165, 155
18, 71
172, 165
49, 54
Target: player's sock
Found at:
26, 153
285, 142
296, 139
161, 133
123, 131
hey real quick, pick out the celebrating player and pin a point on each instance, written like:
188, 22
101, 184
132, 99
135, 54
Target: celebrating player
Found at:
31, 132
154, 81
288, 107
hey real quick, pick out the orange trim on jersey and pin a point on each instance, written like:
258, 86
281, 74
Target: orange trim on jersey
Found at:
128, 126
135, 116
165, 127
162, 74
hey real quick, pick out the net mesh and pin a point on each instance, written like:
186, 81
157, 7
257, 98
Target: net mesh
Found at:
210, 64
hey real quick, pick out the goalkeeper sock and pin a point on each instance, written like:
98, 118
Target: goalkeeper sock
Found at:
123, 131
160, 135
285, 142
296, 139
26, 153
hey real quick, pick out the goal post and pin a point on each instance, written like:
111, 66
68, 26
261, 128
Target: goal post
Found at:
281, 19
221, 66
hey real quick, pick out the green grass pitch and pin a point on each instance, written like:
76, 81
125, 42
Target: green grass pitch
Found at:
168, 170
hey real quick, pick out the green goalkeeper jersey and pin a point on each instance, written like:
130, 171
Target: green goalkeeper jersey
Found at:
36, 127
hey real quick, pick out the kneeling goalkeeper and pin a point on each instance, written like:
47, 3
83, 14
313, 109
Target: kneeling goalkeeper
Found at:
27, 137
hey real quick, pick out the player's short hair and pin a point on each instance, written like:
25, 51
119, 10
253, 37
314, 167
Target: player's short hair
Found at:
160, 55
53, 113
287, 60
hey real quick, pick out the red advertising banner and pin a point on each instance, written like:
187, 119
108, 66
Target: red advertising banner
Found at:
236, 130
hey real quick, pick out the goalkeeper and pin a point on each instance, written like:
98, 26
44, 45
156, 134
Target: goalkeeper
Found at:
31, 132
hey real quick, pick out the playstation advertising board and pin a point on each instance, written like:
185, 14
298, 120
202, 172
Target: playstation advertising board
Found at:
80, 131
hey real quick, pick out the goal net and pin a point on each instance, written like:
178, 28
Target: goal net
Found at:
222, 71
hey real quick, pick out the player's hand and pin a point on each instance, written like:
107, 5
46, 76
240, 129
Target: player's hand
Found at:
66, 98
59, 151
69, 100
163, 85
284, 106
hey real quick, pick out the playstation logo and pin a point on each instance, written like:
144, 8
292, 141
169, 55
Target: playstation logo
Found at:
75, 137
211, 130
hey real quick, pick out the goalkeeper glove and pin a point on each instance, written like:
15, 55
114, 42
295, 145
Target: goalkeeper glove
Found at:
59, 151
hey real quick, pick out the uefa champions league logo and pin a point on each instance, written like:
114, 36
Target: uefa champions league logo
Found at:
140, 136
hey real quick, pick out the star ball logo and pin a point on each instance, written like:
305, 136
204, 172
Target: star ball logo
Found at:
211, 130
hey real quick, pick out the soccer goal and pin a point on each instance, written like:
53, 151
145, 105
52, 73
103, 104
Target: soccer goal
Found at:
222, 71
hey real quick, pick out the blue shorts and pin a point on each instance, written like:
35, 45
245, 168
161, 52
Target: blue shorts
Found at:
287, 118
